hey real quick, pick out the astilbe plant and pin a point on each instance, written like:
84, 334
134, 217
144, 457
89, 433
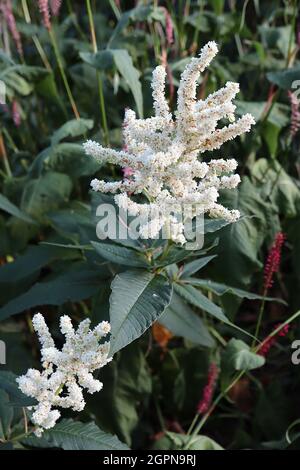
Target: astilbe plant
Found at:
161, 161
163, 150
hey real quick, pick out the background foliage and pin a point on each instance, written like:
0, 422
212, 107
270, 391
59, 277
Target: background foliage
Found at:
51, 259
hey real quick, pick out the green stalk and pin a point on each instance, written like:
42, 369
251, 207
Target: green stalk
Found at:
4, 157
35, 38
63, 75
99, 78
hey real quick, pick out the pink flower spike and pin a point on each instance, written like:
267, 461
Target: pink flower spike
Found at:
295, 113
15, 110
55, 6
267, 345
273, 260
7, 11
169, 28
44, 10
208, 391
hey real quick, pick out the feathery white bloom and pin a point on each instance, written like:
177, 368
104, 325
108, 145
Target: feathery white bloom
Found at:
66, 372
163, 150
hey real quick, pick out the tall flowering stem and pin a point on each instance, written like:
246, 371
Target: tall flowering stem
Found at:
271, 267
35, 39
266, 345
7, 11
99, 78
204, 404
46, 17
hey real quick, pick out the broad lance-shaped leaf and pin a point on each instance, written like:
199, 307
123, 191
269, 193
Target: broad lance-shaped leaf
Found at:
119, 254
123, 62
74, 435
221, 289
10, 208
78, 284
196, 265
73, 128
195, 297
180, 319
6, 415
138, 298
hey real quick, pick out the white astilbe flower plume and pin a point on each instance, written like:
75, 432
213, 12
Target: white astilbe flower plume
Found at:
66, 372
162, 153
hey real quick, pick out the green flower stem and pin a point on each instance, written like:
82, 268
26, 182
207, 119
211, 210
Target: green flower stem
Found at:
35, 38
3, 156
63, 75
99, 77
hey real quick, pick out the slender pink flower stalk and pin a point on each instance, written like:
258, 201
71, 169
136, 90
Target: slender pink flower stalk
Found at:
7, 11
169, 27
295, 113
45, 12
15, 111
267, 345
204, 404
55, 6
273, 261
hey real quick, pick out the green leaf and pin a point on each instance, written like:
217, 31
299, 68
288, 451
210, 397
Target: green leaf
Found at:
74, 435
221, 289
285, 79
176, 441
270, 133
16, 82
130, 74
6, 415
67, 157
30, 262
138, 299
196, 298
9, 207
196, 265
278, 185
119, 407
119, 254
238, 355
73, 128
240, 245
77, 284
123, 62
180, 319
45, 193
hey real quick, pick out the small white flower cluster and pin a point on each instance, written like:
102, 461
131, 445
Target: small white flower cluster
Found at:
163, 153
66, 372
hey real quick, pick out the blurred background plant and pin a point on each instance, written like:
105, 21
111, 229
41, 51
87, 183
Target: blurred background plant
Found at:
69, 70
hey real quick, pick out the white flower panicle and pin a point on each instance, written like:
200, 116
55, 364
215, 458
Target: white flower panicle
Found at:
162, 153
66, 372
